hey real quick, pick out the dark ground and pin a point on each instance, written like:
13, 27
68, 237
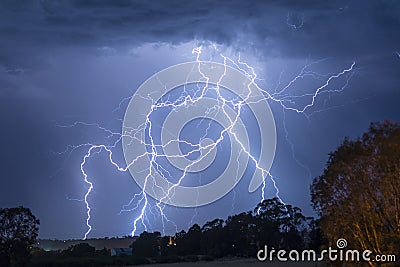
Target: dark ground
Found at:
239, 263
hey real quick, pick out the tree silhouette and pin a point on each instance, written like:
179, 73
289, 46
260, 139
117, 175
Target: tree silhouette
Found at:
241, 234
18, 232
193, 239
358, 194
148, 244
80, 250
213, 236
281, 225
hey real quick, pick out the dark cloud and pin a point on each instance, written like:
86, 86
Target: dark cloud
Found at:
333, 28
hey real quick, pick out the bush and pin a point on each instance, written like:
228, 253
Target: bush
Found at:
136, 260
54, 261
168, 259
191, 258
207, 258
68, 262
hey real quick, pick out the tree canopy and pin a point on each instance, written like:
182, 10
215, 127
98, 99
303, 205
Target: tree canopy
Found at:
357, 196
18, 231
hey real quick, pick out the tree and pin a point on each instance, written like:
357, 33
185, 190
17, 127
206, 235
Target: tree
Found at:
281, 225
193, 239
213, 238
18, 232
315, 236
80, 250
148, 244
240, 234
357, 196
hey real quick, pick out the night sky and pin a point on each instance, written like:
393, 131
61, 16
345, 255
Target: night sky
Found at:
67, 67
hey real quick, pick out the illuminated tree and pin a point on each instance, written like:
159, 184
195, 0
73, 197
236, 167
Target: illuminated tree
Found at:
358, 194
18, 232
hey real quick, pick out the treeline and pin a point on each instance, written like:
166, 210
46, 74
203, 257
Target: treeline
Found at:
81, 255
98, 243
271, 223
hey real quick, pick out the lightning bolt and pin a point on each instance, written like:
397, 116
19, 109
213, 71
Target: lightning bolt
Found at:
140, 202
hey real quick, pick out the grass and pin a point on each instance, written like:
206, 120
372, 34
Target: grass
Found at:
238, 263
